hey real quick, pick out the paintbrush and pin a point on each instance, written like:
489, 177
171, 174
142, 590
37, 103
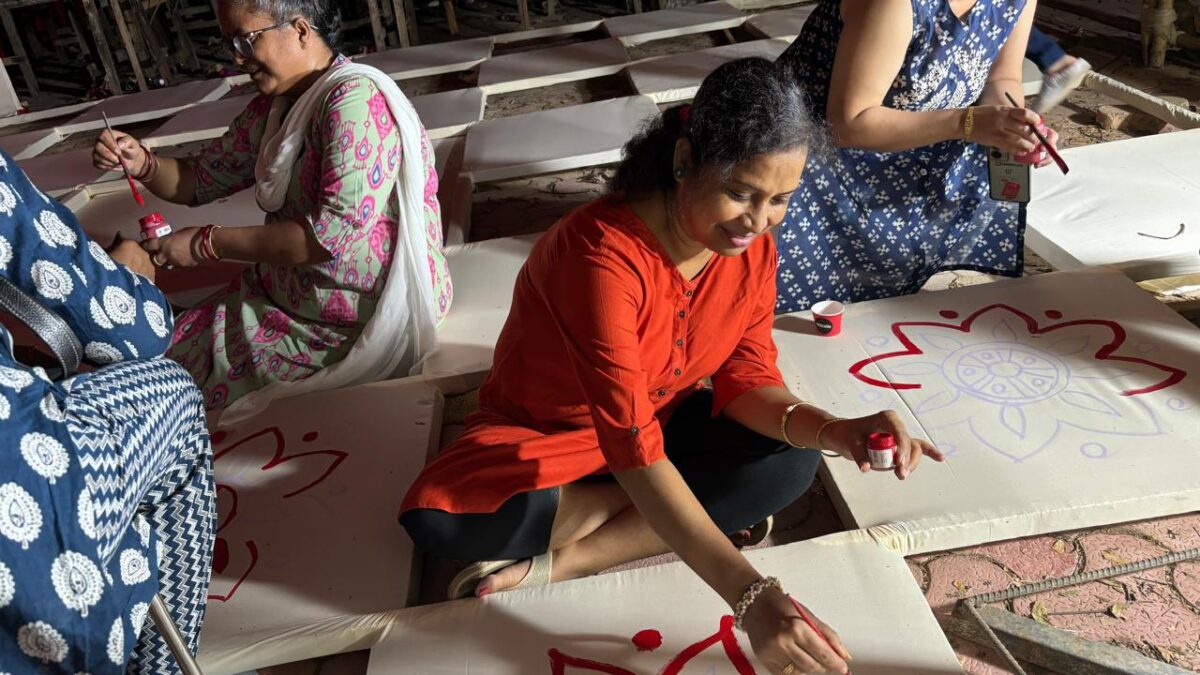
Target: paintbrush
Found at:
1062, 166
137, 196
813, 625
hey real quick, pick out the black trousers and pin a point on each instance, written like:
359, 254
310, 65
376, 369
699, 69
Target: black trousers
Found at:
739, 476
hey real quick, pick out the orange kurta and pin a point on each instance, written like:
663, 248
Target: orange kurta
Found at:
604, 338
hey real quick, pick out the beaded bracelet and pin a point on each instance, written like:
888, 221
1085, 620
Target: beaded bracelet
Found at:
751, 594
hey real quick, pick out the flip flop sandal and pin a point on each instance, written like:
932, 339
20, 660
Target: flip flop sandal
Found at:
759, 531
464, 583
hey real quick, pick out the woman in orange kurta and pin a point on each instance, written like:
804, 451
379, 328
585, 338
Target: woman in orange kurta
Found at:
597, 441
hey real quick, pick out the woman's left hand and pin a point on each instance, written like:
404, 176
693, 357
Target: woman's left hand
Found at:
1052, 136
848, 438
177, 249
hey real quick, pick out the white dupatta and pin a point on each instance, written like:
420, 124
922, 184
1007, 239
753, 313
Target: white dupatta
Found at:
404, 321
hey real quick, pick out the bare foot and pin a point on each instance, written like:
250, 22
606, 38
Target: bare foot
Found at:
504, 579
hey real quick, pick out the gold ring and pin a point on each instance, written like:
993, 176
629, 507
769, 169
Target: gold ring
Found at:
789, 668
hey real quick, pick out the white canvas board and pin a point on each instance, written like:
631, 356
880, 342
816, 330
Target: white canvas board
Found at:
28, 144
435, 59
309, 556
783, 23
455, 190
634, 29
9, 102
1031, 78
547, 32
554, 140
147, 105
669, 79
48, 114
484, 275
1092, 216
1064, 401
450, 113
64, 172
199, 123
104, 215
556, 65
864, 591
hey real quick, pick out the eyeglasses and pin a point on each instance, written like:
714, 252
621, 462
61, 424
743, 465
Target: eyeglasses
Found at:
243, 44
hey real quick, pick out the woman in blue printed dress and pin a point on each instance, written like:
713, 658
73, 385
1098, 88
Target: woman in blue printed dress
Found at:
914, 94
106, 493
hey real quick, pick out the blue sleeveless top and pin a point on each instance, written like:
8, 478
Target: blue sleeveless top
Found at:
866, 224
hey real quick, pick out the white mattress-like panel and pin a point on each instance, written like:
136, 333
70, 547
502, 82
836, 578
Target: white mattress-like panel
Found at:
146, 105
309, 558
635, 29
863, 591
678, 77
1065, 401
484, 275
1091, 217
554, 140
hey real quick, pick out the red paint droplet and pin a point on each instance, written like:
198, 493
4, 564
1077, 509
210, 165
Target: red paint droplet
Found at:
948, 314
647, 640
1054, 314
310, 436
219, 436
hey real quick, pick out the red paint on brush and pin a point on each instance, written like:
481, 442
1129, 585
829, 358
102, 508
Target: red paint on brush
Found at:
137, 196
647, 640
813, 625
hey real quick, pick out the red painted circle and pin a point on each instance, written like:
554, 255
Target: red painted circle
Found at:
1054, 314
948, 314
310, 436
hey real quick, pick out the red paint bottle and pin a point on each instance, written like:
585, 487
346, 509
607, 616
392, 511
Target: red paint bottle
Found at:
154, 226
881, 450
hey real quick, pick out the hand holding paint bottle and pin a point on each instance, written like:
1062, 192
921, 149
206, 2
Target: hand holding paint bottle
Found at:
878, 442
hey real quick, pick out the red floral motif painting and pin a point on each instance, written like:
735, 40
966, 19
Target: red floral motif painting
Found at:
564, 664
259, 461
1025, 380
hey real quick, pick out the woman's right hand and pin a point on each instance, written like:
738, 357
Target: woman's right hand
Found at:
104, 154
779, 636
1005, 128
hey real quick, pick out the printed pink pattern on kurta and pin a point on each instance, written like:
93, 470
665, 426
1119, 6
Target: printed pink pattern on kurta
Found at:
277, 323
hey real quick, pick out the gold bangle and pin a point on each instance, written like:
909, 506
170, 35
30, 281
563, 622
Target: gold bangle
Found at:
822, 429
783, 422
212, 244
969, 123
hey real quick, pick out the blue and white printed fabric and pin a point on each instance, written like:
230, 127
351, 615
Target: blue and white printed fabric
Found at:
106, 492
867, 225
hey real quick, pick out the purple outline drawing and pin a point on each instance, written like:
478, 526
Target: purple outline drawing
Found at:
1035, 380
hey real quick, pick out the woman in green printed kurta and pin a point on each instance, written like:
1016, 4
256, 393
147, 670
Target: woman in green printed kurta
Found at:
324, 255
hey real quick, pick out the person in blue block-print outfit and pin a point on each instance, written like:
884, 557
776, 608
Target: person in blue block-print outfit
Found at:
106, 491
904, 196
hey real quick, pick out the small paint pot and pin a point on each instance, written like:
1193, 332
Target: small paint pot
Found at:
1038, 154
828, 317
881, 451
154, 226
